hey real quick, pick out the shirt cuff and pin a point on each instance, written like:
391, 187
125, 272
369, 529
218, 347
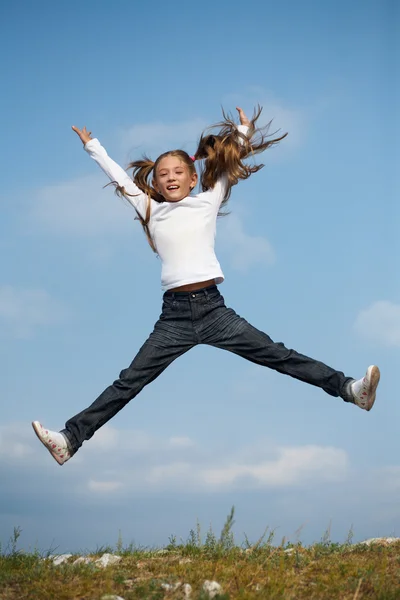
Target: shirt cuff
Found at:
91, 144
243, 129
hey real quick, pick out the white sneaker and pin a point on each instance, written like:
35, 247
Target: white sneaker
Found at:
364, 390
54, 441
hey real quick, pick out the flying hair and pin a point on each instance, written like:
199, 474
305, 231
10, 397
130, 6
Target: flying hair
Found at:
221, 154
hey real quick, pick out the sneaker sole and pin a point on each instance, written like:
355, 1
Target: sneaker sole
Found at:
374, 377
36, 428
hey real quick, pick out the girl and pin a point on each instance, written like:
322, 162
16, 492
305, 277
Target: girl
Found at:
180, 227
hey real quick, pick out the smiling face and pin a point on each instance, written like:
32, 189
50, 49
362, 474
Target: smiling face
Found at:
174, 178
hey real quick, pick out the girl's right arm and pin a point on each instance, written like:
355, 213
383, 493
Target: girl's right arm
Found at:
113, 171
221, 185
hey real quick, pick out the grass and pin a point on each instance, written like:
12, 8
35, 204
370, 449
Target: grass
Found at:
324, 570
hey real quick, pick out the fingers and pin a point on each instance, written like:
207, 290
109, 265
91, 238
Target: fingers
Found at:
79, 131
84, 134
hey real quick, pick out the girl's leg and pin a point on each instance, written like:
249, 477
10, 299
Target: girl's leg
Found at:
233, 333
172, 336
148, 364
163, 346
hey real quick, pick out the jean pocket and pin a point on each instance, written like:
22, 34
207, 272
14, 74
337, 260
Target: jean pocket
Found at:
169, 305
215, 300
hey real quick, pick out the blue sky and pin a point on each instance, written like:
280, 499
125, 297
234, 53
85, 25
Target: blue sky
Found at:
310, 252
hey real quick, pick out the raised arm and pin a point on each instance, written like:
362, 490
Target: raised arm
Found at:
244, 120
113, 171
220, 183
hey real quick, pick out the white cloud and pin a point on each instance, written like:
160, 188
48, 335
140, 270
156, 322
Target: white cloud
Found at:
284, 120
172, 473
148, 462
135, 460
181, 442
136, 442
291, 466
105, 438
157, 137
23, 310
380, 323
133, 442
82, 207
103, 486
244, 250
284, 466
11, 446
160, 137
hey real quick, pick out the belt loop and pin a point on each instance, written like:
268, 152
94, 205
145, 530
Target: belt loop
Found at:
172, 295
206, 294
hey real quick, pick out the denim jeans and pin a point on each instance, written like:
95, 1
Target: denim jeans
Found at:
188, 319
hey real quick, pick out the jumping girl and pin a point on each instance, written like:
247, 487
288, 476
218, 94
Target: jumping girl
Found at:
180, 227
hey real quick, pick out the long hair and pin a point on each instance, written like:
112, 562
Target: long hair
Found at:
221, 155
224, 152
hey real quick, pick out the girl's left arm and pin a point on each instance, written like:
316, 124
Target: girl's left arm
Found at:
244, 120
244, 123
243, 128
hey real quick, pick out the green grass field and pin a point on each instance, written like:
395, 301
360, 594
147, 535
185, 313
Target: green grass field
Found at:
263, 569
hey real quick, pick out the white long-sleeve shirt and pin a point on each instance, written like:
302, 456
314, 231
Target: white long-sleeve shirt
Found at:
183, 232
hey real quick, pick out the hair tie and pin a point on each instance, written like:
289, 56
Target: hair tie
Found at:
193, 158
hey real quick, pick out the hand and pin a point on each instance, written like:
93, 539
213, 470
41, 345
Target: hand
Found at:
243, 119
84, 135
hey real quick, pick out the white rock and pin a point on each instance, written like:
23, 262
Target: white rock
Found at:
171, 587
60, 559
289, 551
111, 597
83, 560
185, 561
212, 588
382, 540
107, 559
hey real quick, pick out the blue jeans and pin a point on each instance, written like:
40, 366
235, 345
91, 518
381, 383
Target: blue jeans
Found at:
188, 319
